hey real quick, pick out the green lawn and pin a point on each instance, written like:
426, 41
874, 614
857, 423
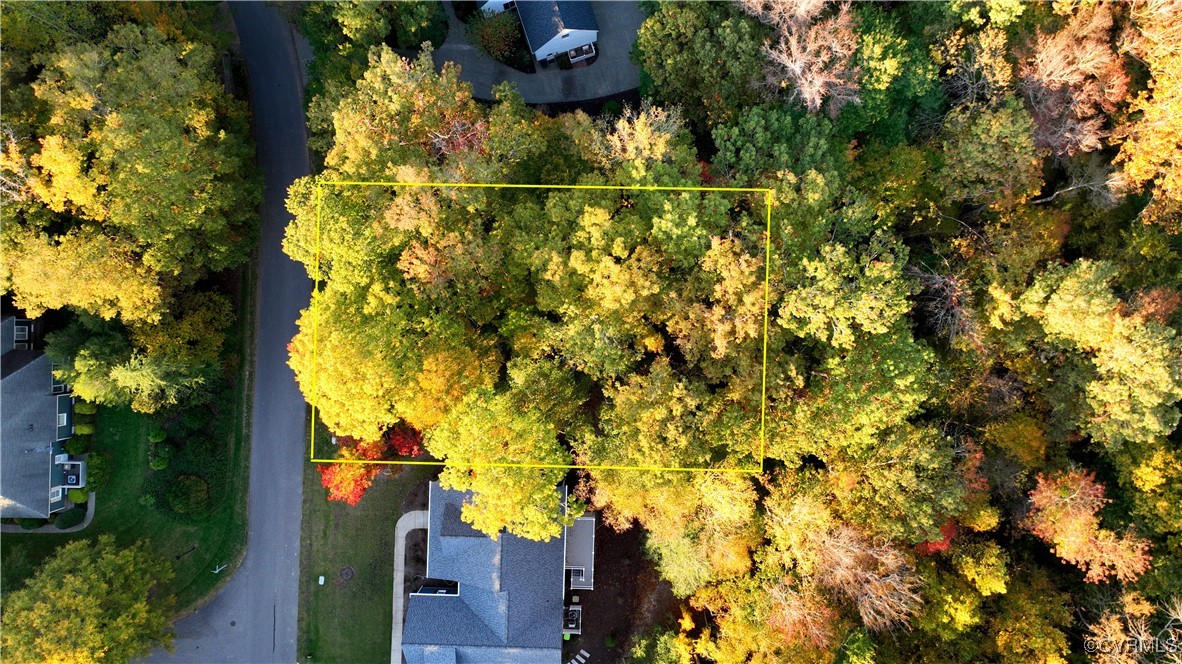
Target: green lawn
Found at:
349, 621
194, 547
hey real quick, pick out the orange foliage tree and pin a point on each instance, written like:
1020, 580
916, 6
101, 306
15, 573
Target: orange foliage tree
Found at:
1063, 513
348, 482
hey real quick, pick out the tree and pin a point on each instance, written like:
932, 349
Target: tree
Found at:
814, 61
1063, 513
1131, 372
898, 81
904, 486
486, 429
979, 71
92, 601
990, 156
350, 478
142, 140
357, 401
698, 56
1149, 155
871, 573
410, 114
853, 396
768, 139
1070, 80
1030, 620
85, 269
839, 294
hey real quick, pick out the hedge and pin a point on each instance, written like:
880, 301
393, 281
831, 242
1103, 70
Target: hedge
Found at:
70, 518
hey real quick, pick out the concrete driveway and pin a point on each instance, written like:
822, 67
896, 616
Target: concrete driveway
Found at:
612, 73
253, 619
408, 522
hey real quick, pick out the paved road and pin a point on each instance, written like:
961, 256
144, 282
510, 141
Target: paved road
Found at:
406, 523
611, 73
253, 619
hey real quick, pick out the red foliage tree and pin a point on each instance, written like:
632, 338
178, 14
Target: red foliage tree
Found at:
1064, 513
947, 532
405, 441
348, 482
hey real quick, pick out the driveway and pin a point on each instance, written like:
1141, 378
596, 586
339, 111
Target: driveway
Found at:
253, 619
611, 73
406, 523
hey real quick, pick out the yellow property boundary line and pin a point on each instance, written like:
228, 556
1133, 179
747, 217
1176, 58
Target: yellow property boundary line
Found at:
766, 294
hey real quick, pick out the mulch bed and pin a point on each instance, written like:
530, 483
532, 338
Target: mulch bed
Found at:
629, 597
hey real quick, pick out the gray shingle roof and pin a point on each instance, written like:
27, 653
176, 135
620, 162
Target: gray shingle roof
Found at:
28, 429
509, 606
543, 20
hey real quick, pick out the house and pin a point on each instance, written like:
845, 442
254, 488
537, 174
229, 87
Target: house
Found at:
490, 601
553, 27
36, 416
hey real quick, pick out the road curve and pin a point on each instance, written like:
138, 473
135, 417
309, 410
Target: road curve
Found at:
253, 619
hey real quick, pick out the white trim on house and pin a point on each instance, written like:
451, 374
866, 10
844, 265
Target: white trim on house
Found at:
567, 40
495, 6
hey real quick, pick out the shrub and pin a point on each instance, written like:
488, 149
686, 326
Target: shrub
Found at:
30, 524
84, 428
157, 435
405, 441
159, 456
189, 494
77, 445
70, 518
611, 109
148, 500
85, 408
82, 418
78, 496
496, 34
98, 470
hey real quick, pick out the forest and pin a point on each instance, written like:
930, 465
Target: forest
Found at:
968, 298
973, 365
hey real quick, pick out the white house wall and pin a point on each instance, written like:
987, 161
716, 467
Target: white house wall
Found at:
495, 6
557, 45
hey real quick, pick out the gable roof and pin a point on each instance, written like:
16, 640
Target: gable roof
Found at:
543, 20
28, 430
509, 604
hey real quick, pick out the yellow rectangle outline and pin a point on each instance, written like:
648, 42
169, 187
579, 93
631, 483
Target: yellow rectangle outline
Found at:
487, 185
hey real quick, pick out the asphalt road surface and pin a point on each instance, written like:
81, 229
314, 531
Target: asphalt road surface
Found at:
253, 619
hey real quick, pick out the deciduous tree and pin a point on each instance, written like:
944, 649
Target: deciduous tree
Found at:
1064, 513
91, 602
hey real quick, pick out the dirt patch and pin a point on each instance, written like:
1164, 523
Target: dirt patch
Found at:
629, 598
416, 498
416, 560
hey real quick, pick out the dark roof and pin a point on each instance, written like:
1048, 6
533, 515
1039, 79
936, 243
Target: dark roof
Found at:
28, 430
544, 20
509, 606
